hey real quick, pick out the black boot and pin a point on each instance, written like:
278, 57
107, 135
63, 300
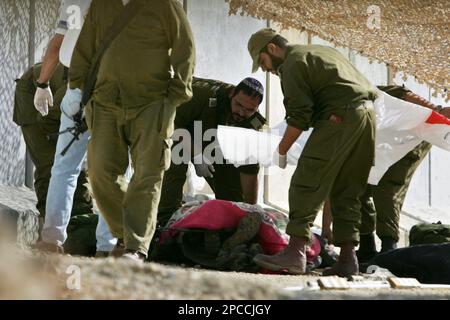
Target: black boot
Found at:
388, 244
367, 249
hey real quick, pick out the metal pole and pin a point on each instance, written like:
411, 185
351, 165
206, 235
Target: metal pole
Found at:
29, 167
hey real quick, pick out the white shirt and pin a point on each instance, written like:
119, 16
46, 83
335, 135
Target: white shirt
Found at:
70, 22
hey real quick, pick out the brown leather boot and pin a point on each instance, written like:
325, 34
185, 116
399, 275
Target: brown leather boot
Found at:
118, 250
347, 264
292, 259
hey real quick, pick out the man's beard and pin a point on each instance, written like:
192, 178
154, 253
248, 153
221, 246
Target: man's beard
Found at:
235, 120
276, 62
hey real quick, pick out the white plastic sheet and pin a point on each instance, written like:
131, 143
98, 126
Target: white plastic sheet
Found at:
401, 126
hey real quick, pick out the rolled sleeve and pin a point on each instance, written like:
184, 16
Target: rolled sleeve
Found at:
62, 24
298, 99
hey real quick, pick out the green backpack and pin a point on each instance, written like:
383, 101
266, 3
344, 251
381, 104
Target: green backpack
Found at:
425, 233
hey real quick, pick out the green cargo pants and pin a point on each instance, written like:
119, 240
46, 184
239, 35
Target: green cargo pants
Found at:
336, 161
383, 212
42, 153
144, 132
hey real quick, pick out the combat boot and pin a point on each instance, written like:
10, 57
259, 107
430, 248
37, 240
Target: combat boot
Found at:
292, 259
388, 244
118, 250
367, 249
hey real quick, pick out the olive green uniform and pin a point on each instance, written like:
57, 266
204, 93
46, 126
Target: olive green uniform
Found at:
36, 129
211, 105
382, 211
324, 91
133, 108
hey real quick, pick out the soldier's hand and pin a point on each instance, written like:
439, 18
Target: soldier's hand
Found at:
203, 167
279, 160
204, 170
327, 234
43, 98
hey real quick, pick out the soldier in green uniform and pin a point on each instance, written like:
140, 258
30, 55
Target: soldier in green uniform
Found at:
143, 76
383, 212
215, 103
40, 134
323, 90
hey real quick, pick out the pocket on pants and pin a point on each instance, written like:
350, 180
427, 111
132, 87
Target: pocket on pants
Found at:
310, 172
166, 119
166, 154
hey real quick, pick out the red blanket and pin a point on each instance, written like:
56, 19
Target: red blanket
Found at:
220, 214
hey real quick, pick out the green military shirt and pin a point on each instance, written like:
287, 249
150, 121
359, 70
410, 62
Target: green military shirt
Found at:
210, 104
136, 68
24, 110
317, 79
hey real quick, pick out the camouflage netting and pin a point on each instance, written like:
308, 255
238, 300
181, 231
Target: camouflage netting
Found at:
409, 35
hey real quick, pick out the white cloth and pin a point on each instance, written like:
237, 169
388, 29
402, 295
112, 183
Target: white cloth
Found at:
401, 126
70, 22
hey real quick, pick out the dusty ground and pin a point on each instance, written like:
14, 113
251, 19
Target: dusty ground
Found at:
25, 274
29, 275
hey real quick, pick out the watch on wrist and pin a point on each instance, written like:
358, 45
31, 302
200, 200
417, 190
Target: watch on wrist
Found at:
439, 108
42, 85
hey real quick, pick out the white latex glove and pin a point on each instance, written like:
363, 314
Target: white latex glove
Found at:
70, 104
42, 99
203, 167
279, 160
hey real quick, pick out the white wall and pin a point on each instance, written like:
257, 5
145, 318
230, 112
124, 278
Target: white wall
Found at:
18, 51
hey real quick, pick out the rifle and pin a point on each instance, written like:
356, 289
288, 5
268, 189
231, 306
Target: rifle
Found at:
78, 129
119, 24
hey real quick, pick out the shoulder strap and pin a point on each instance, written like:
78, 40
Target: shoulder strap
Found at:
119, 24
